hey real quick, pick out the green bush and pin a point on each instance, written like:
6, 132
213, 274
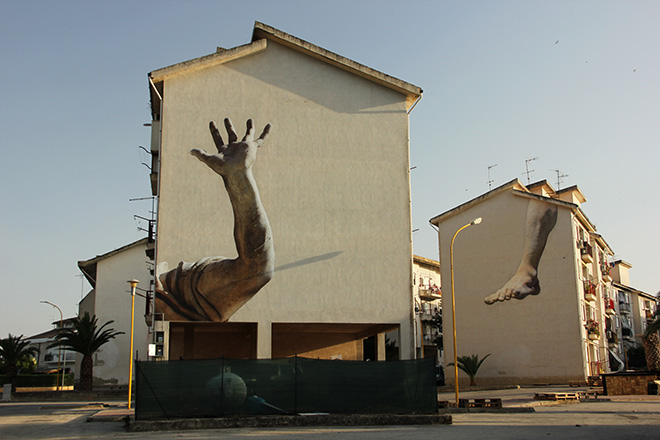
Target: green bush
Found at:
38, 380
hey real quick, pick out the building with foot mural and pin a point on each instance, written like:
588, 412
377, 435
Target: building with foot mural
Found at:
536, 287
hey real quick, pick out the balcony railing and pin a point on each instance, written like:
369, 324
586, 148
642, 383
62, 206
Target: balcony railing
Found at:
586, 251
605, 272
626, 332
624, 307
589, 290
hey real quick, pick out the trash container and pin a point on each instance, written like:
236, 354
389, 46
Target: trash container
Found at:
653, 388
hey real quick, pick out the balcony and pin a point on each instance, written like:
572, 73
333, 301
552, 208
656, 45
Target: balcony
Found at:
609, 307
605, 272
589, 291
624, 307
593, 330
612, 339
429, 293
626, 332
586, 251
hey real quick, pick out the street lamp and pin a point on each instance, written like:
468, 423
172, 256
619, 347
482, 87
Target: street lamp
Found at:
59, 352
476, 221
133, 284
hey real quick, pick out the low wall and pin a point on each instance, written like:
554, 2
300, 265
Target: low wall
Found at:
628, 382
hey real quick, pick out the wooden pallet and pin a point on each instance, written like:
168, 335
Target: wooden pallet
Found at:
595, 381
557, 396
444, 404
480, 403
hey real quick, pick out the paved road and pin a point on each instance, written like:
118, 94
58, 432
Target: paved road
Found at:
584, 421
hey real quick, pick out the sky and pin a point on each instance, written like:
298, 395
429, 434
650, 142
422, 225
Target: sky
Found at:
574, 85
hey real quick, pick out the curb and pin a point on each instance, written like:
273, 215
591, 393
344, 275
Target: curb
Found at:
288, 421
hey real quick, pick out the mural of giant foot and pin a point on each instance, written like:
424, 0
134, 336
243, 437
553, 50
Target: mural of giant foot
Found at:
521, 285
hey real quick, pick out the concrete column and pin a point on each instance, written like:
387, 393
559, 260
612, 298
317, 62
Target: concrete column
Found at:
380, 347
6, 392
264, 340
406, 340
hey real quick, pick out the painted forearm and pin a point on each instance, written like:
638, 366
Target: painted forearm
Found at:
252, 232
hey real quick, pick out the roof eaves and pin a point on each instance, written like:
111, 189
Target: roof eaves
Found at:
543, 183
599, 238
623, 263
262, 30
632, 289
426, 261
546, 199
510, 184
585, 220
88, 267
219, 57
574, 188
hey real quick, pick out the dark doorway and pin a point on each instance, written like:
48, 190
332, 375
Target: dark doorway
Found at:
369, 349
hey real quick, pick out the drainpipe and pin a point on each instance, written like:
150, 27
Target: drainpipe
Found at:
414, 104
160, 151
621, 363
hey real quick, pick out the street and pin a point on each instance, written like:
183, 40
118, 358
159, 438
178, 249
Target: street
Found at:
639, 419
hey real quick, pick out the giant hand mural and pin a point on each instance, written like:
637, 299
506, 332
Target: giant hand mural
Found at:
214, 288
541, 219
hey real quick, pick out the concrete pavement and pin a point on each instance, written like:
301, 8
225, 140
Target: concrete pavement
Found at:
617, 417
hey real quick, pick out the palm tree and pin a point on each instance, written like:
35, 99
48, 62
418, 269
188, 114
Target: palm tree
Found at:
651, 342
14, 351
85, 338
470, 365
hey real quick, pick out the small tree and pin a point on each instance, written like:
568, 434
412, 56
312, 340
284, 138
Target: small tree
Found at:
14, 353
470, 365
85, 338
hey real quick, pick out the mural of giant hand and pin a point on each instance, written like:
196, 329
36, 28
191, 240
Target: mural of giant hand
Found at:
214, 288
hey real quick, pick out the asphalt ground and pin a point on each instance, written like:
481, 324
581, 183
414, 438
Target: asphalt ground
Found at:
617, 417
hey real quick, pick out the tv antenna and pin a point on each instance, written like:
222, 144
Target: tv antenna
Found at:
527, 170
560, 178
490, 181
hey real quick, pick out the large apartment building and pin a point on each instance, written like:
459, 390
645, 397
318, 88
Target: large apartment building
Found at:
333, 178
536, 286
427, 296
627, 312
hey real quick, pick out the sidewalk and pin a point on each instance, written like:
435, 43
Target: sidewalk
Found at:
520, 397
113, 413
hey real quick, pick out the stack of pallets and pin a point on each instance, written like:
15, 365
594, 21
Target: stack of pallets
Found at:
557, 396
475, 403
480, 403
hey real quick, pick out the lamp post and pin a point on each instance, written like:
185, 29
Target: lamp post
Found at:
476, 221
133, 284
59, 352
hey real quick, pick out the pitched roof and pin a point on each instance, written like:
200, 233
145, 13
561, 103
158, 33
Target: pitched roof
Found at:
425, 261
263, 33
520, 190
632, 289
88, 267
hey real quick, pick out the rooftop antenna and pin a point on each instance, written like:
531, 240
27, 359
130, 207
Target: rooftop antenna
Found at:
490, 181
560, 178
151, 221
527, 170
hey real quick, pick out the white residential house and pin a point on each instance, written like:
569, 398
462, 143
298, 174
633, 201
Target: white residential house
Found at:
110, 300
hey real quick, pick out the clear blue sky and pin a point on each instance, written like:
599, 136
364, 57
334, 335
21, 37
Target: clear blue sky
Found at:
574, 83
